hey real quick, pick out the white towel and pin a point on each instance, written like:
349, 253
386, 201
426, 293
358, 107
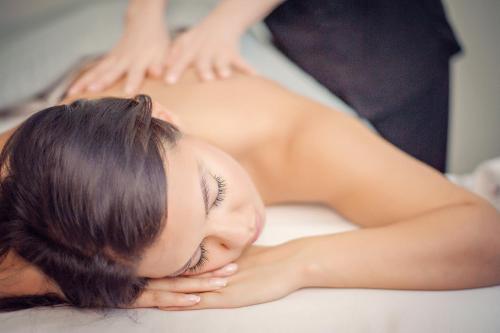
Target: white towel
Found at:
484, 181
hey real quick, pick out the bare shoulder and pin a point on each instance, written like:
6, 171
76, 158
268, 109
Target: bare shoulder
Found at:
336, 160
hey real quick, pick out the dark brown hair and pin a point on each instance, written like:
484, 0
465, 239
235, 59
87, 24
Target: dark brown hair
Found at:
82, 194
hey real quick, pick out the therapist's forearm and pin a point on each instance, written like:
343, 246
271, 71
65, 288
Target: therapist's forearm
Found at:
239, 15
451, 248
145, 10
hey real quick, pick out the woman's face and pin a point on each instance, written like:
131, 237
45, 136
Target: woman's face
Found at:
214, 211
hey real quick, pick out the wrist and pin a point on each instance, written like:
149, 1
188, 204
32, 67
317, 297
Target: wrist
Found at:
304, 268
227, 23
145, 11
309, 269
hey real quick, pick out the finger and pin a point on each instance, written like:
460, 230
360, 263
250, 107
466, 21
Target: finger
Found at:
187, 284
155, 70
174, 54
177, 67
84, 81
223, 69
227, 270
108, 78
243, 66
134, 79
158, 298
156, 66
176, 70
211, 300
205, 70
80, 84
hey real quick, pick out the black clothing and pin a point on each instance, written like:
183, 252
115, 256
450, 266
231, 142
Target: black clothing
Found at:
384, 58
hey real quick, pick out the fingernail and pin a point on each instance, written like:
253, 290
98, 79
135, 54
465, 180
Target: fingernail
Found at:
218, 282
170, 79
93, 87
231, 268
225, 73
192, 298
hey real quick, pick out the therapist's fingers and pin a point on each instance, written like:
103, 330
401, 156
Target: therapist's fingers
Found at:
134, 79
155, 68
106, 78
243, 66
177, 67
82, 82
86, 81
223, 68
204, 69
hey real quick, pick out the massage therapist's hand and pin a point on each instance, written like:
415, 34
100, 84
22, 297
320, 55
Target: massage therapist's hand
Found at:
264, 274
182, 290
141, 51
211, 47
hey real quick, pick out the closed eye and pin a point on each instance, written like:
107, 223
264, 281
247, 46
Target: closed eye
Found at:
221, 191
201, 262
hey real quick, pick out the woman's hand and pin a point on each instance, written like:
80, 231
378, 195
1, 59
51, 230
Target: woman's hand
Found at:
265, 274
142, 50
177, 291
211, 47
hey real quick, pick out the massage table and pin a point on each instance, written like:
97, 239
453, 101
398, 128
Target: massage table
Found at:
40, 52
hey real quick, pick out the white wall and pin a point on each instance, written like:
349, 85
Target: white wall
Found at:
475, 103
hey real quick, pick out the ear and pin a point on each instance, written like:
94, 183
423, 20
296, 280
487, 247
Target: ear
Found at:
161, 112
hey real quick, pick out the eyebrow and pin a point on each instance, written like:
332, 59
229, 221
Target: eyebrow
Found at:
204, 192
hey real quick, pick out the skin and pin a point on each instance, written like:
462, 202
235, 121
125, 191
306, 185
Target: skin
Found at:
145, 48
418, 230
226, 229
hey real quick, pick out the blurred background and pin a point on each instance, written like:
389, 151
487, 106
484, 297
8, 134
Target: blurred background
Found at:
40, 39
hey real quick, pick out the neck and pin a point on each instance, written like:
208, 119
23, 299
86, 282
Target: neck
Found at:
18, 277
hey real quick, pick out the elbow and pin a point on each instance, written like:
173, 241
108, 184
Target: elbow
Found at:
489, 218
486, 244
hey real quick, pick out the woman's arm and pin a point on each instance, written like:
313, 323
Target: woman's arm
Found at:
422, 232
451, 248
426, 233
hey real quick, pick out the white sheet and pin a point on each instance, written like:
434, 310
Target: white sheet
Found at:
308, 310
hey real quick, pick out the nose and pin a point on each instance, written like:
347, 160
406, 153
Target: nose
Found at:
233, 231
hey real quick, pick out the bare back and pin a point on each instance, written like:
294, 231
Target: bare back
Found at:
297, 150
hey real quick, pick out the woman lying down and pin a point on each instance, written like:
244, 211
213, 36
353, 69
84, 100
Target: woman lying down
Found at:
155, 201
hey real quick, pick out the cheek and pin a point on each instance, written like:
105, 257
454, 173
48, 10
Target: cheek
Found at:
238, 178
153, 267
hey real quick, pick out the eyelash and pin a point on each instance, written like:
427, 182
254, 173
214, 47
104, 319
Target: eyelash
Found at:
221, 190
202, 261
